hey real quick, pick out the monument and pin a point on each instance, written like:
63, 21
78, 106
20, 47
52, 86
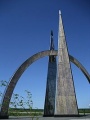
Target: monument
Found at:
60, 99
49, 107
66, 103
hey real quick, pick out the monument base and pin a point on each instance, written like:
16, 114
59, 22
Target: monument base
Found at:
70, 115
4, 117
48, 115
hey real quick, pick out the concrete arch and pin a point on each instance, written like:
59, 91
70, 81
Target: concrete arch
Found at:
80, 66
22, 68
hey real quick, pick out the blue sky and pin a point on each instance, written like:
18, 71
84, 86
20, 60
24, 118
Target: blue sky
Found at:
25, 27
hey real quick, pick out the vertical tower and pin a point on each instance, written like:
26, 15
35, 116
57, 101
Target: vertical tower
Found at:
66, 103
49, 106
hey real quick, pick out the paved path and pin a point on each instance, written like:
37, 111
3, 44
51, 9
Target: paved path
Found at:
50, 118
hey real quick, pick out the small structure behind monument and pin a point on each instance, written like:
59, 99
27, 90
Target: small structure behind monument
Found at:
49, 107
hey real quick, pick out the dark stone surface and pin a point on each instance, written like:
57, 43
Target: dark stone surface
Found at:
72, 115
49, 107
4, 117
48, 115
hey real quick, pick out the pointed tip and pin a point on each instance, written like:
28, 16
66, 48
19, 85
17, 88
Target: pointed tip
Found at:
51, 41
51, 33
59, 12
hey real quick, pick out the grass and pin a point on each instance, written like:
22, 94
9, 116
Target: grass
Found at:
87, 110
36, 112
25, 112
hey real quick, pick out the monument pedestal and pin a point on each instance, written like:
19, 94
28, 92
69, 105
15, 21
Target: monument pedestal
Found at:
72, 115
4, 116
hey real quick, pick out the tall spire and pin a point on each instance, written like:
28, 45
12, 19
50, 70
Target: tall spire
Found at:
61, 34
66, 103
59, 12
52, 58
51, 41
49, 106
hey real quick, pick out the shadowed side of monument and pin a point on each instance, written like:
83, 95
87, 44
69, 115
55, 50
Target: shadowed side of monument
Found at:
49, 107
66, 104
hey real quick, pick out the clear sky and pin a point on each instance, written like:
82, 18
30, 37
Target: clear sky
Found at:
25, 27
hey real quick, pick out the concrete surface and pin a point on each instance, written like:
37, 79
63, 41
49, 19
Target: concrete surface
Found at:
50, 118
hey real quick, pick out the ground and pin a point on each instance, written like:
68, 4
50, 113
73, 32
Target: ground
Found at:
50, 118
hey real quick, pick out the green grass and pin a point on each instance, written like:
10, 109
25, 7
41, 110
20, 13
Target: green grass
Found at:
25, 112
36, 112
86, 110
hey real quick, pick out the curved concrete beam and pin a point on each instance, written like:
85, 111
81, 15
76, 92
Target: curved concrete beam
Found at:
80, 66
11, 85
